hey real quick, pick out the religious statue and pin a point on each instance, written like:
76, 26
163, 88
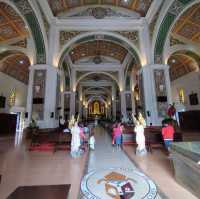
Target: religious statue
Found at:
76, 141
140, 123
71, 122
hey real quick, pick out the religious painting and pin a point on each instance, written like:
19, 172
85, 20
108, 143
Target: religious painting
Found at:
161, 92
39, 83
193, 99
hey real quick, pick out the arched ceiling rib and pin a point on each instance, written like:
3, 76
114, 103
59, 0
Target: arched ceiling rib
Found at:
98, 48
12, 25
16, 65
181, 65
139, 6
187, 26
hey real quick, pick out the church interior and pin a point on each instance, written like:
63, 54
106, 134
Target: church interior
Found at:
71, 65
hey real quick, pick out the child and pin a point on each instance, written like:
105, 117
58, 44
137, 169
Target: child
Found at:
168, 135
92, 141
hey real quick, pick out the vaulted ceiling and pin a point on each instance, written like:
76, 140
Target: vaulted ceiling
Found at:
12, 25
188, 25
98, 48
181, 65
16, 65
140, 6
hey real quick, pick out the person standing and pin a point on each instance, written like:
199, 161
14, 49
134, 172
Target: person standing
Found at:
118, 135
168, 135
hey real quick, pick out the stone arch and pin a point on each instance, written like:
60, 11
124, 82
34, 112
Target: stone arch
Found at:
97, 97
188, 50
174, 11
25, 10
17, 49
113, 37
96, 72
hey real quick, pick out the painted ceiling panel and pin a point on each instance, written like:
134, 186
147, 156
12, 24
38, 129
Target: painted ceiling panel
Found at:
98, 48
140, 6
11, 24
16, 65
181, 65
188, 25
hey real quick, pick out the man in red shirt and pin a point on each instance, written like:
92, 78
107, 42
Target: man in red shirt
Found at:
168, 135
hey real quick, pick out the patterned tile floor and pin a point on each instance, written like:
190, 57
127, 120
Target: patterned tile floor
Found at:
111, 164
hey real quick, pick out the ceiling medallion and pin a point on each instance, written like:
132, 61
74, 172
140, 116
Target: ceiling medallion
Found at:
99, 12
97, 59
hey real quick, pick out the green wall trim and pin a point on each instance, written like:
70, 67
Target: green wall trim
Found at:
172, 14
26, 10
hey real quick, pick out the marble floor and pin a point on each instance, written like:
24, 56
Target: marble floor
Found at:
20, 167
106, 159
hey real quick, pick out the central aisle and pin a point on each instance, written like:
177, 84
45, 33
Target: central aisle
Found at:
105, 155
101, 162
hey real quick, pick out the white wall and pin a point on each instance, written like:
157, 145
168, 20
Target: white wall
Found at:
8, 83
189, 83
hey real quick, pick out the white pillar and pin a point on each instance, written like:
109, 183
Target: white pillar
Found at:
123, 103
151, 95
49, 96
145, 47
122, 94
113, 102
72, 103
53, 46
80, 102
62, 104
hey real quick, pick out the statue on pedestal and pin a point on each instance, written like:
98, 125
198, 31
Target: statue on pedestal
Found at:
140, 124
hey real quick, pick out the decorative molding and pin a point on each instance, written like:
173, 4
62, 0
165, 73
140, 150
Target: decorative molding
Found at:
175, 41
21, 43
100, 13
132, 36
175, 9
65, 36
28, 13
45, 21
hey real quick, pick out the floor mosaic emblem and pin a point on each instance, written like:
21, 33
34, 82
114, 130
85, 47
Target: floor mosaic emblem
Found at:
117, 183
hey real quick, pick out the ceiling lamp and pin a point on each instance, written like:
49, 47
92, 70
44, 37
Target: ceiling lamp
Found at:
97, 59
173, 61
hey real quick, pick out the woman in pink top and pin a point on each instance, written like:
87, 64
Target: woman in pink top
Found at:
118, 135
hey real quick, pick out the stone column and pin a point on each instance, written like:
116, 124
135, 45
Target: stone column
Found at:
113, 102
157, 92
122, 93
80, 102
123, 103
73, 93
41, 98
72, 103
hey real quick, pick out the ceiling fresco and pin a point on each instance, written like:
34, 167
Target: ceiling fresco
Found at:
188, 25
181, 65
11, 24
98, 48
139, 6
16, 65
